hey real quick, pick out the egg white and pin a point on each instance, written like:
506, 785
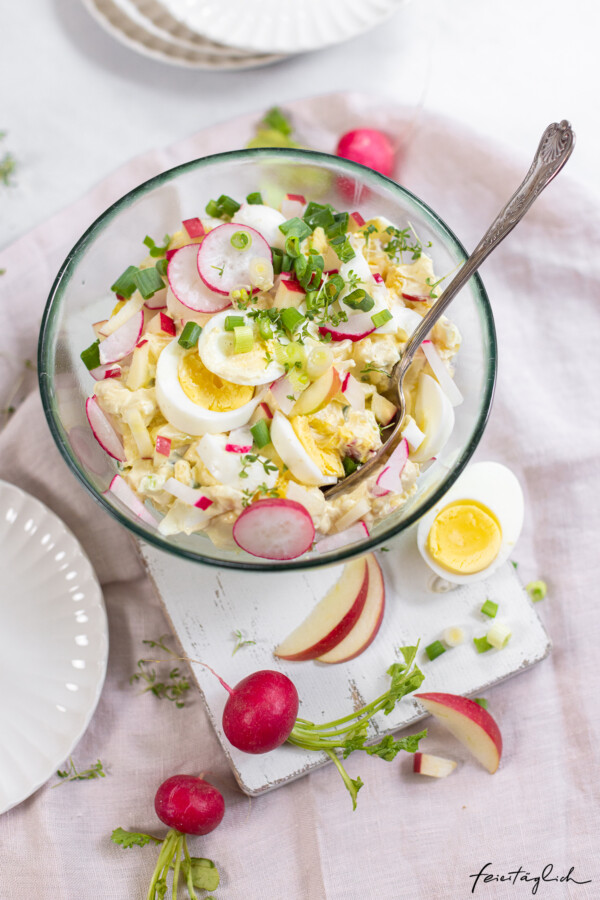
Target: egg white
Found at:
290, 449
265, 220
494, 486
183, 413
434, 415
214, 347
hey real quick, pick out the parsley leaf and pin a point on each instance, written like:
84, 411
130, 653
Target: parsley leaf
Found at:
132, 838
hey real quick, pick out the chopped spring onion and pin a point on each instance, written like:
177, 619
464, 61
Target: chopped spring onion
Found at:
148, 282
339, 226
125, 285
265, 328
189, 336
295, 227
317, 214
381, 317
224, 206
261, 273
277, 260
309, 270
453, 636
161, 267
359, 299
154, 249
277, 121
243, 339
499, 635
435, 649
343, 249
333, 287
240, 240
537, 590
261, 434
91, 355
292, 246
255, 198
232, 322
311, 300
291, 318
350, 465
482, 644
489, 608
481, 701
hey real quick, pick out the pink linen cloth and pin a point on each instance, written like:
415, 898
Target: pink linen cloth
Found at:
411, 838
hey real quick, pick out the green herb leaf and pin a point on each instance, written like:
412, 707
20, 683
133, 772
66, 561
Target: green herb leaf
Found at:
132, 838
388, 748
72, 774
241, 642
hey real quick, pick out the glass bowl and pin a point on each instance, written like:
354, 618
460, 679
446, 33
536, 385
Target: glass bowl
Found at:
80, 296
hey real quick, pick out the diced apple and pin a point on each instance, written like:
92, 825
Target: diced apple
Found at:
364, 632
383, 410
333, 617
434, 766
356, 221
139, 432
139, 372
472, 725
289, 293
161, 323
318, 394
97, 326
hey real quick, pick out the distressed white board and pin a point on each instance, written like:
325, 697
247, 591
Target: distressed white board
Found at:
207, 605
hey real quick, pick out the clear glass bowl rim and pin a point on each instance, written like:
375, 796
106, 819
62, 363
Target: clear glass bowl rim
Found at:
366, 175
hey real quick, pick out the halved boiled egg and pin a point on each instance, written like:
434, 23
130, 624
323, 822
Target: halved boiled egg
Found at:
216, 349
434, 415
473, 529
195, 400
291, 450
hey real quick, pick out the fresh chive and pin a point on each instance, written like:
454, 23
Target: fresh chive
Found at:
435, 649
91, 355
232, 322
482, 644
359, 299
243, 339
381, 317
240, 240
291, 318
489, 608
148, 282
254, 199
277, 121
537, 590
261, 434
481, 701
350, 465
125, 285
189, 336
161, 267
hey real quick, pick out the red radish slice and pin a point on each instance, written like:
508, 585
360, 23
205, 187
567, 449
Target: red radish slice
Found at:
126, 495
192, 496
274, 529
194, 227
293, 206
239, 441
87, 450
389, 478
122, 342
222, 267
377, 278
167, 325
284, 394
438, 367
170, 253
163, 445
353, 392
351, 535
102, 372
355, 329
157, 300
358, 220
103, 431
188, 287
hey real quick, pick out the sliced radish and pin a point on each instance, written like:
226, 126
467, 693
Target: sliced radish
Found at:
163, 445
127, 496
239, 441
108, 371
188, 287
194, 227
284, 394
192, 496
87, 450
377, 278
351, 535
122, 342
274, 529
389, 477
157, 300
222, 267
356, 328
103, 431
293, 206
353, 392
438, 367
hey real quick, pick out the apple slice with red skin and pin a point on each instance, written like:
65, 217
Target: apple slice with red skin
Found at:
318, 394
368, 623
470, 723
434, 766
333, 617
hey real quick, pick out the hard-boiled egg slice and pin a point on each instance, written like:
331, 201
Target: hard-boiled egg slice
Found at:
234, 469
473, 529
265, 220
215, 347
193, 400
434, 415
290, 449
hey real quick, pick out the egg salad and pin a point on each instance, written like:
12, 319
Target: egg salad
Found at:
248, 357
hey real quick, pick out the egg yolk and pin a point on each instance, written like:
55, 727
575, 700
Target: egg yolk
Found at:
465, 537
328, 461
209, 390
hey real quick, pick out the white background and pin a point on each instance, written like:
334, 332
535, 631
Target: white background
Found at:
77, 104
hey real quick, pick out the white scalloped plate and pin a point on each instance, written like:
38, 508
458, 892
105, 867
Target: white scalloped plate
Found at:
54, 644
281, 26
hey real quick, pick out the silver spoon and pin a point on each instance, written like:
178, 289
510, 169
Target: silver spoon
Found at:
555, 147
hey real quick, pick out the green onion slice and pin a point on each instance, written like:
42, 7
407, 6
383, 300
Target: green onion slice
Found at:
243, 338
232, 322
254, 199
381, 317
482, 644
292, 246
489, 608
148, 282
240, 240
261, 434
91, 355
291, 318
359, 299
189, 336
537, 590
345, 251
125, 285
435, 649
265, 328
295, 228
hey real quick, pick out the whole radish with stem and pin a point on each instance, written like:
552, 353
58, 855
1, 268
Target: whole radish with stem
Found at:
188, 805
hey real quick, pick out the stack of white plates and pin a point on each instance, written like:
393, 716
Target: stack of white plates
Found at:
235, 34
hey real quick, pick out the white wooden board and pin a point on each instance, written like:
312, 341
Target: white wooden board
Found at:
207, 605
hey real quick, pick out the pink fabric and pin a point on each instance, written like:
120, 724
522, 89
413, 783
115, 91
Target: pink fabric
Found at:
411, 837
